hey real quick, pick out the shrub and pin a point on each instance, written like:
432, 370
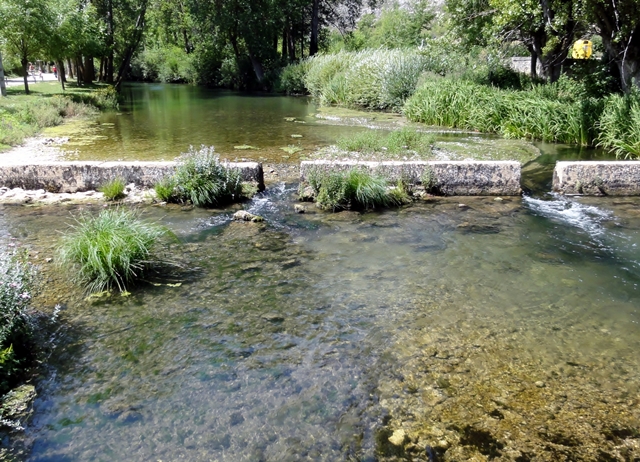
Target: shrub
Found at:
205, 181
113, 190
110, 250
17, 281
292, 79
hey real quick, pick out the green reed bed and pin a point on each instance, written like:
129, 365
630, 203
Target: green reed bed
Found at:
394, 145
377, 79
111, 250
619, 126
543, 114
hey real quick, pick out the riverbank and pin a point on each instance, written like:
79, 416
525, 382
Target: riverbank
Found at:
23, 116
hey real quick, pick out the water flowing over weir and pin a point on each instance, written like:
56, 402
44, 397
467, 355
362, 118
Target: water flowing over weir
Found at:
300, 338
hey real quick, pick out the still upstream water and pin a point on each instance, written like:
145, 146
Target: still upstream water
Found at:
280, 341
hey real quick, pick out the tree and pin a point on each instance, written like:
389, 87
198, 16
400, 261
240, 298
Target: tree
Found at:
618, 23
3, 88
26, 27
546, 27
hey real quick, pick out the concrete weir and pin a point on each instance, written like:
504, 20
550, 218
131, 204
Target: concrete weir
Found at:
72, 177
452, 178
597, 178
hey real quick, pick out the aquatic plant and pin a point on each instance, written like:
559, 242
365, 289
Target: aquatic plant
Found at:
202, 179
428, 179
354, 188
112, 249
113, 189
17, 284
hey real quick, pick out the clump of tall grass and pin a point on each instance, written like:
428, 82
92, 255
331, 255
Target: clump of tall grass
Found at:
166, 189
17, 285
110, 250
202, 179
352, 189
113, 190
619, 126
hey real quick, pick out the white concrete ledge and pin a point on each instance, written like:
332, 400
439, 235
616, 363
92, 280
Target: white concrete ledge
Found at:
84, 176
451, 178
595, 178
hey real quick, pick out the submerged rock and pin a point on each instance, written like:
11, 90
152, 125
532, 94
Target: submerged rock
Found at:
243, 215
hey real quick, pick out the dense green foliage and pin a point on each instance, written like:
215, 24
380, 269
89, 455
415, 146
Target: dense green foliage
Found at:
353, 189
110, 250
202, 179
113, 190
17, 280
619, 125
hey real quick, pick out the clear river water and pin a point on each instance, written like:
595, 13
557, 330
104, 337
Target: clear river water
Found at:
497, 328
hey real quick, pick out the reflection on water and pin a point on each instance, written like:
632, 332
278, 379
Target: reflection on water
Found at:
292, 340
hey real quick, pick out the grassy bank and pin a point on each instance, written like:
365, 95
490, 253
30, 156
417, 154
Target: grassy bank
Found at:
473, 93
24, 115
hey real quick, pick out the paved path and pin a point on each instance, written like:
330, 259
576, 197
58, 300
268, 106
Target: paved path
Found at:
19, 81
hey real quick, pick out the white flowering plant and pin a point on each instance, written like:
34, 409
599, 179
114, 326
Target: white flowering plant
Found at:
17, 283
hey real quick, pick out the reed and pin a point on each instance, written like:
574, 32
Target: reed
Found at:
619, 126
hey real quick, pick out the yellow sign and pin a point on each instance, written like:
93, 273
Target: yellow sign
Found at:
582, 49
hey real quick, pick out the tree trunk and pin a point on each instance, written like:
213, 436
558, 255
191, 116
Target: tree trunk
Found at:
25, 73
89, 70
62, 78
79, 70
132, 47
101, 71
313, 47
110, 42
3, 88
291, 45
285, 45
70, 68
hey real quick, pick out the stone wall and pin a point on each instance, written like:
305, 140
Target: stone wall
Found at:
451, 178
616, 178
83, 176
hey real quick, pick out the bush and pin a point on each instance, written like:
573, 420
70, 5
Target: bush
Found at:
113, 190
292, 79
110, 250
17, 281
205, 181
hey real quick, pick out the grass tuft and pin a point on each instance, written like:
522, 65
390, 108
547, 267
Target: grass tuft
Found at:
110, 250
113, 190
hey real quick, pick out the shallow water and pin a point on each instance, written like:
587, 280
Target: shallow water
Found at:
293, 340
